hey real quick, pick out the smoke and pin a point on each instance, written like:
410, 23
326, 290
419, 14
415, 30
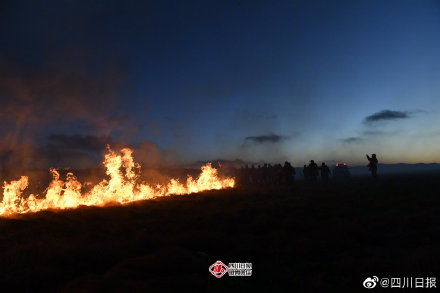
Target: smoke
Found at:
68, 98
30, 101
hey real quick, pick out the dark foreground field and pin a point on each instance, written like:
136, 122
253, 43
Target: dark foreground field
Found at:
311, 238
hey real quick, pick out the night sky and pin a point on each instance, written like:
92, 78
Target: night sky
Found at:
202, 80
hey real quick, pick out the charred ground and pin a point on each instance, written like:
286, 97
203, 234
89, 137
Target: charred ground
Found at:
310, 237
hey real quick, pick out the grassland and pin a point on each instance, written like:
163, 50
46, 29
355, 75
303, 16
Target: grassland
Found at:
310, 238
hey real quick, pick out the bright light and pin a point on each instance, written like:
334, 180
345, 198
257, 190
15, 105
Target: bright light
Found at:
123, 185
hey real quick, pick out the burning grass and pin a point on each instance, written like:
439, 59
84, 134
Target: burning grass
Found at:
123, 186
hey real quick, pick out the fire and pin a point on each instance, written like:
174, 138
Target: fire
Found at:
122, 186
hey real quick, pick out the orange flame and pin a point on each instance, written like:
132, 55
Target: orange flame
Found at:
122, 187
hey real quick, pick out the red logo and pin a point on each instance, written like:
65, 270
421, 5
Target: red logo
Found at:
218, 269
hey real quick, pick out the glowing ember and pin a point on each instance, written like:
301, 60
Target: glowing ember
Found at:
122, 187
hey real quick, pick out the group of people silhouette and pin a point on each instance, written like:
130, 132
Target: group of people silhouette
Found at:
267, 175
312, 171
284, 175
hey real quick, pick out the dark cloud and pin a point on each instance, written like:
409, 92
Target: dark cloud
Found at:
78, 152
56, 150
387, 115
353, 140
269, 138
373, 132
66, 148
79, 142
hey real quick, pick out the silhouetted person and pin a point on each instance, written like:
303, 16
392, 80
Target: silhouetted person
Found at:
372, 165
325, 172
278, 174
252, 175
306, 173
288, 173
245, 174
270, 174
313, 170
